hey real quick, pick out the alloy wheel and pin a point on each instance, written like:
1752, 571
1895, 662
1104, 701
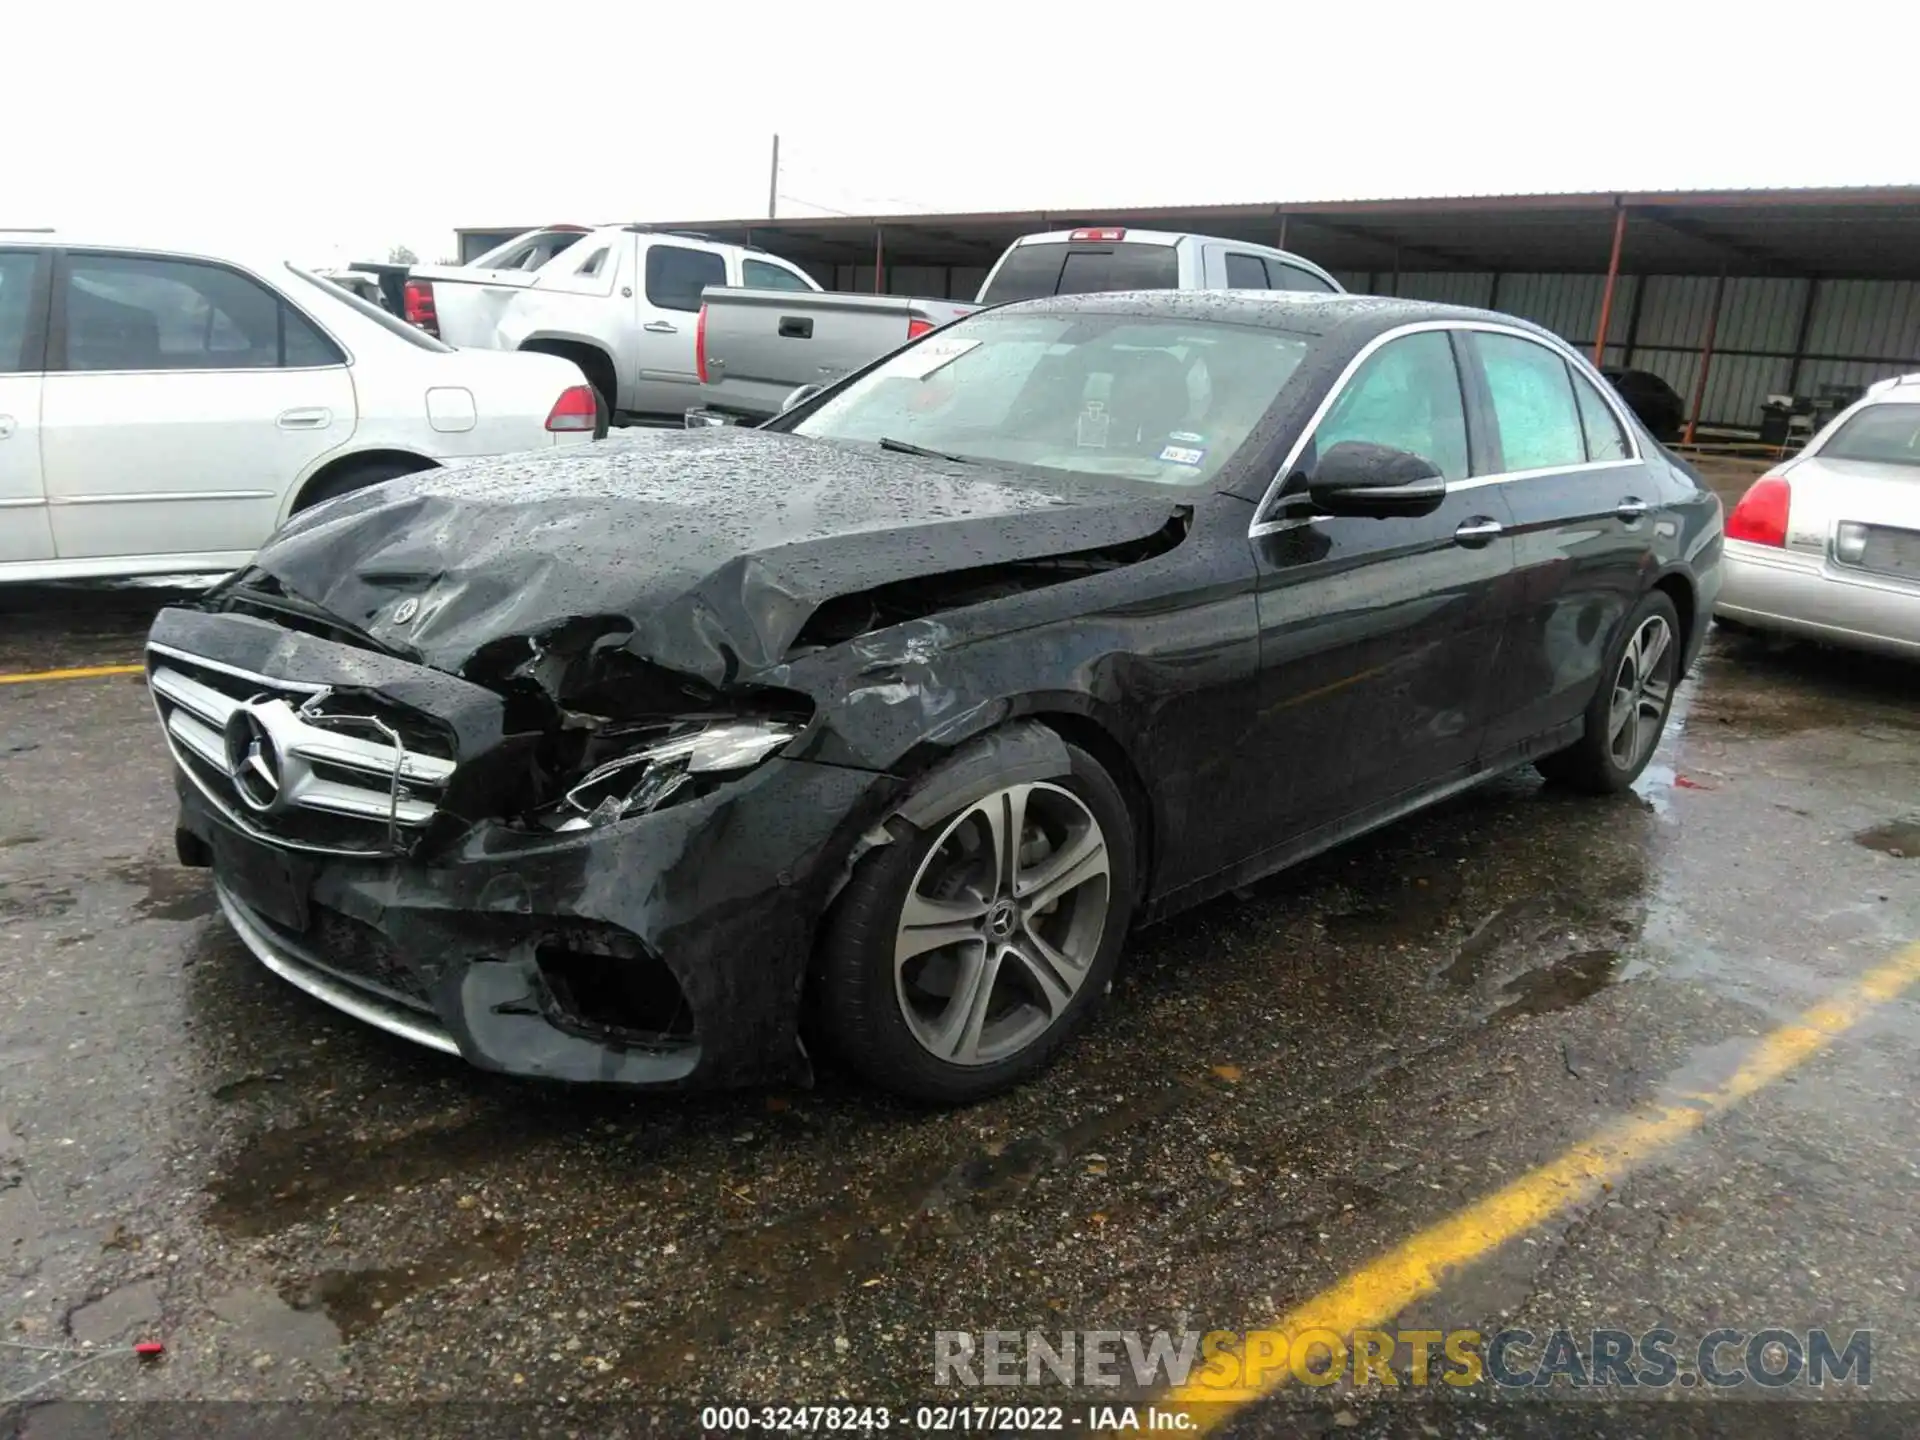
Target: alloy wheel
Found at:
1002, 924
1642, 691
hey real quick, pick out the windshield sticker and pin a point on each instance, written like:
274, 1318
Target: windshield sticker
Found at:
1092, 430
1186, 437
1183, 455
928, 356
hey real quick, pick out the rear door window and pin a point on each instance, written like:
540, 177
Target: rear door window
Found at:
138, 312
676, 275
1534, 410
759, 275
1246, 272
1031, 272
21, 320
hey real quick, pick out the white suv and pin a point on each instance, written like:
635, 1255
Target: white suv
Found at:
163, 411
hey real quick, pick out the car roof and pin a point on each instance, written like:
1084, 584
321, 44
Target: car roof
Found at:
1358, 317
258, 260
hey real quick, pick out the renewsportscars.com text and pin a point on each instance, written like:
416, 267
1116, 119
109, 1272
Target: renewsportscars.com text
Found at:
1244, 1363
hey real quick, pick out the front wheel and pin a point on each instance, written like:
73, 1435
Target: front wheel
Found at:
961, 957
1628, 712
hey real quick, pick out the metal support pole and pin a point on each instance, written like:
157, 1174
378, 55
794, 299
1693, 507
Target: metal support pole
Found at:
1493, 290
1706, 355
1633, 321
879, 261
773, 179
1283, 233
1801, 336
1613, 277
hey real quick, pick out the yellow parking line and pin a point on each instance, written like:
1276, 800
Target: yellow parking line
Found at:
1416, 1268
83, 672
79, 672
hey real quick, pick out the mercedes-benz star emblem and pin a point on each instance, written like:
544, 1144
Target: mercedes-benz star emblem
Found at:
252, 759
405, 610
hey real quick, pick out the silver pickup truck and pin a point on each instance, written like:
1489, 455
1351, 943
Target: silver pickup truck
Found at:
756, 348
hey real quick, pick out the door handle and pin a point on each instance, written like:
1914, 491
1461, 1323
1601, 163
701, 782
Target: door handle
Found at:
315, 419
1478, 531
659, 327
1631, 509
7, 423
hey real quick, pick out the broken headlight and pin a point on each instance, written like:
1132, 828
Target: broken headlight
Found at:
667, 766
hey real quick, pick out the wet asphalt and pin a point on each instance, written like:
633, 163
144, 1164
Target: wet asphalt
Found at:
1286, 1082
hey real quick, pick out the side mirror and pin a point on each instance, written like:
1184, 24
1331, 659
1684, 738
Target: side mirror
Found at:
799, 396
1357, 477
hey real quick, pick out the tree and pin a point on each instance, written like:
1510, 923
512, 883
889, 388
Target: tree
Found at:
401, 255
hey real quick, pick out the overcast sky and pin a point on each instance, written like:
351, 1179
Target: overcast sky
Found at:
325, 132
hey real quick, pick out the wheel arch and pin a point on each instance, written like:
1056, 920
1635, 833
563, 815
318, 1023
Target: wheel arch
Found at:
593, 357
1678, 586
337, 464
1078, 720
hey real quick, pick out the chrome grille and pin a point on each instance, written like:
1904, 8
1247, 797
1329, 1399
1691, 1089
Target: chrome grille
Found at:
293, 762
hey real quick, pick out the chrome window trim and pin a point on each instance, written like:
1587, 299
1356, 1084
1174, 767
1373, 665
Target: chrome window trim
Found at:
195, 370
1262, 525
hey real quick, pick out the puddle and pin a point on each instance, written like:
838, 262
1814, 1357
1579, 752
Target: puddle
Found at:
173, 891
1561, 985
287, 1175
357, 1300
1900, 839
262, 1323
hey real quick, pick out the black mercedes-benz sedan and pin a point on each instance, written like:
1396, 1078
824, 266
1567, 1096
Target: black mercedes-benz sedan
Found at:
658, 761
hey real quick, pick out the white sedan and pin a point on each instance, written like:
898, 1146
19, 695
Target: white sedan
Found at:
1827, 546
162, 411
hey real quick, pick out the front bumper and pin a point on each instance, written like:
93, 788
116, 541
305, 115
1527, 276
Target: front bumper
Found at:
473, 953
1807, 596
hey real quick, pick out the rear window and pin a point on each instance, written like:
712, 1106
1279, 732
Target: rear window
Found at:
388, 322
528, 252
1887, 434
1031, 272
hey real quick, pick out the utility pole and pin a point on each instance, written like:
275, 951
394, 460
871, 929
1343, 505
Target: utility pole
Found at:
773, 179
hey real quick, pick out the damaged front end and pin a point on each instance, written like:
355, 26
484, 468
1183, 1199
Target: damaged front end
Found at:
546, 892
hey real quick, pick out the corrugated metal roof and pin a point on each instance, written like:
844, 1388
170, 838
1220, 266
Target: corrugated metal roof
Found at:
1861, 231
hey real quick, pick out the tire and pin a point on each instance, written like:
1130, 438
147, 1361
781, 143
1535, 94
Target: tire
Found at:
900, 1027
357, 477
1602, 761
602, 412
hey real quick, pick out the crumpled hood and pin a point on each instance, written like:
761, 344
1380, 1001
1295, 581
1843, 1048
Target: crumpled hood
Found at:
711, 547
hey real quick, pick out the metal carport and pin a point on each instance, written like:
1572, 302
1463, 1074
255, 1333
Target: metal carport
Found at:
1731, 296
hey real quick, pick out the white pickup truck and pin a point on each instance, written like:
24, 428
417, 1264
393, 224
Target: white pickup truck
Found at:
620, 301
758, 348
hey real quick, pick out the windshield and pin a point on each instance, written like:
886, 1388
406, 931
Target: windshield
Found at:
1056, 267
1156, 399
1888, 433
413, 335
